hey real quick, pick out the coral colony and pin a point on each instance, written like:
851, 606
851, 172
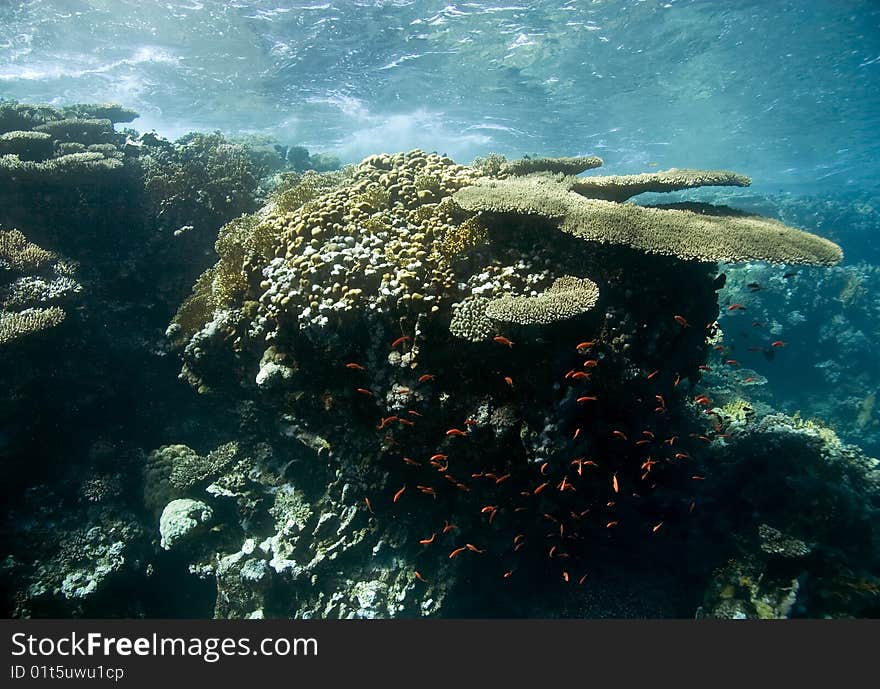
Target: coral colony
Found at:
458, 381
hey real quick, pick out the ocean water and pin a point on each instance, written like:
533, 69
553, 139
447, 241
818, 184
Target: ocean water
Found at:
388, 397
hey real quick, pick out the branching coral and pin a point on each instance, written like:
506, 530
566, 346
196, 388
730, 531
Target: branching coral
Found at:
33, 282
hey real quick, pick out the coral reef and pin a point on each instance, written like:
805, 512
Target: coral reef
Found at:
490, 398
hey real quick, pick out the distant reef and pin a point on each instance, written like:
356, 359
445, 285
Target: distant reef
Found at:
243, 384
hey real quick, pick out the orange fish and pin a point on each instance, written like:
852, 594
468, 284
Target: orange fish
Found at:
399, 341
652, 375
610, 524
413, 412
585, 345
437, 457
427, 541
779, 343
697, 477
703, 367
580, 375
456, 431
473, 548
500, 339
682, 321
682, 455
419, 576
587, 398
384, 422
508, 574
582, 579
412, 462
362, 391
736, 307
355, 367
543, 468
565, 576
732, 362
656, 527
502, 479
619, 434
405, 422
447, 527
427, 490
541, 487
508, 380
424, 378
399, 493
455, 553
591, 363
614, 483
369, 505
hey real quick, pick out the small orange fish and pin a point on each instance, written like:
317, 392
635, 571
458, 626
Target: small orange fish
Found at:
413, 412
362, 391
620, 434
369, 505
671, 441
384, 422
427, 490
736, 307
399, 493
656, 527
732, 362
538, 490
508, 380
587, 398
582, 579
543, 468
508, 574
412, 462
697, 477
677, 380
355, 367
456, 431
610, 524
489, 508
750, 379
580, 375
427, 541
614, 483
585, 345
502, 479
424, 378
438, 457
455, 553
682, 321
648, 434
419, 576
577, 432
400, 341
652, 375
703, 367
405, 422
682, 455
779, 343
470, 422
500, 339
591, 363
447, 527
473, 548
565, 576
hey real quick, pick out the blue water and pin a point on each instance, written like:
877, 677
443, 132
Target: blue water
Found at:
786, 91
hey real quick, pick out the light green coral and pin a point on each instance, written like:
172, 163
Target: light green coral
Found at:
565, 166
566, 298
31, 146
621, 187
688, 231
